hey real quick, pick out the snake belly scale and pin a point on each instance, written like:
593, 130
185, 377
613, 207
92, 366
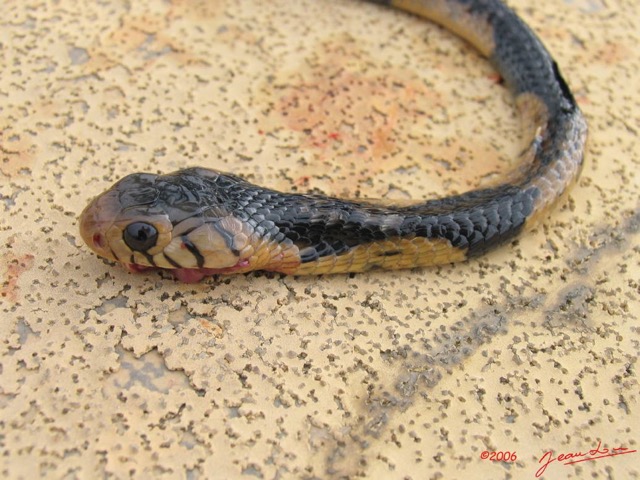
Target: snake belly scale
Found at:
199, 221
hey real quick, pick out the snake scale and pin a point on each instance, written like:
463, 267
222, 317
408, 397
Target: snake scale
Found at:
199, 221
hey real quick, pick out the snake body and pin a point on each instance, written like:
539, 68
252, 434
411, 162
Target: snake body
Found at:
199, 221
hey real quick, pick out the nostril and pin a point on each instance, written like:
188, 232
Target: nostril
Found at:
98, 240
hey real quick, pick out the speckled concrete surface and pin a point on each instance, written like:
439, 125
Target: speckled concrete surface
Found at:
413, 374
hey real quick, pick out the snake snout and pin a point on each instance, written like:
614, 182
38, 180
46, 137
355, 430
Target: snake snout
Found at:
95, 221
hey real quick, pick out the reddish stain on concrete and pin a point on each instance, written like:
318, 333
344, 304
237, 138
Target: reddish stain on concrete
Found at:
338, 106
344, 105
14, 267
15, 156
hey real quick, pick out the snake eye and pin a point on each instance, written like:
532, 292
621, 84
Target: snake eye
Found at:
140, 236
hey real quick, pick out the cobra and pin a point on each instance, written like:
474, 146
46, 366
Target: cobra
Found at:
199, 222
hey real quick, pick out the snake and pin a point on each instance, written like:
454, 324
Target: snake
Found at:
199, 221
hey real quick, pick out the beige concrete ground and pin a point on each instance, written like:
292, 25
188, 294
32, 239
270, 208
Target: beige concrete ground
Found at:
413, 374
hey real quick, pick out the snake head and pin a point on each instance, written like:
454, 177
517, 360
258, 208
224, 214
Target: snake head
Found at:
125, 223
180, 221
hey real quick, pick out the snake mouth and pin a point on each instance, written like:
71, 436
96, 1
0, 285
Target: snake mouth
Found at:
190, 275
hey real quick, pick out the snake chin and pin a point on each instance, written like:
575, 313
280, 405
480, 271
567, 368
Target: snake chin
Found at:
134, 268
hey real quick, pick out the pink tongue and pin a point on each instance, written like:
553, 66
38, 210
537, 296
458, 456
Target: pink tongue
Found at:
194, 275
189, 275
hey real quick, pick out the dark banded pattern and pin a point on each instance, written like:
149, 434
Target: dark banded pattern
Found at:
209, 222
194, 251
171, 261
